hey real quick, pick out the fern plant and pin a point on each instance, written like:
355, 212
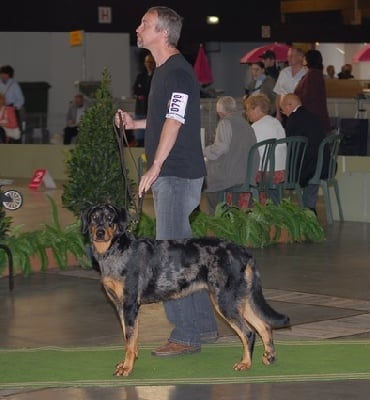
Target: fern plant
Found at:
259, 226
62, 241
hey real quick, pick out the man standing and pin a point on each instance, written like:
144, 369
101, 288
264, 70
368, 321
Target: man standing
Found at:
176, 167
269, 61
289, 78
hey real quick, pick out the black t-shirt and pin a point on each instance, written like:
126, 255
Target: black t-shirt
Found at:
176, 76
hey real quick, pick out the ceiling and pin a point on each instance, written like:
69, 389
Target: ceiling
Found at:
288, 20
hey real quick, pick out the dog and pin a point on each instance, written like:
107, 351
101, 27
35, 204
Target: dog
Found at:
142, 271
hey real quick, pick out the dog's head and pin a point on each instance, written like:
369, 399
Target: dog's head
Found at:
104, 223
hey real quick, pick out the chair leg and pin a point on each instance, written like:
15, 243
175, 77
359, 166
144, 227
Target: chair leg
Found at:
336, 190
329, 213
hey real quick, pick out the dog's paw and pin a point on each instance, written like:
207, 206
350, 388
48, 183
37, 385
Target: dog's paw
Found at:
241, 366
268, 358
122, 370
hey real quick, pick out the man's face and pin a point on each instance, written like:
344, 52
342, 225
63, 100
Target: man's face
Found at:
268, 62
147, 35
285, 107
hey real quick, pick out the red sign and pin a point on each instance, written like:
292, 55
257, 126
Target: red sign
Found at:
41, 176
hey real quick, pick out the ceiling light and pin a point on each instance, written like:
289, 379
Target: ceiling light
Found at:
213, 20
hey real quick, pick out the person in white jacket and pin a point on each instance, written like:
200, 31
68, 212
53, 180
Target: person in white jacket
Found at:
267, 127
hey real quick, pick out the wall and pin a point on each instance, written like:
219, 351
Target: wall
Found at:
48, 57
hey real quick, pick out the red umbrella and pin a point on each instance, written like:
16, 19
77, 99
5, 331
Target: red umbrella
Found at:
280, 50
202, 68
363, 54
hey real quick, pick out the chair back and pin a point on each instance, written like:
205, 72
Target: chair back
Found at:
326, 167
267, 162
295, 152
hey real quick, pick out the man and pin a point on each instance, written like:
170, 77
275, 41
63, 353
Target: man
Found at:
289, 78
176, 167
269, 61
75, 111
226, 158
301, 122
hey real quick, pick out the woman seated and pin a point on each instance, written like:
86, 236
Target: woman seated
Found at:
267, 127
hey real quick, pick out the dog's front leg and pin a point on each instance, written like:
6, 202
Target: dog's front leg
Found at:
130, 335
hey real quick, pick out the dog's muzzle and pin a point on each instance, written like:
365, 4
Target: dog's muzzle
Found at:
100, 234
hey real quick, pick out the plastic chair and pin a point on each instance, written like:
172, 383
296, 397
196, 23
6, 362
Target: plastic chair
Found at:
333, 143
295, 152
267, 170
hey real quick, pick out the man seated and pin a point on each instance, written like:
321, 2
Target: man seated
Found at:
226, 158
75, 111
302, 122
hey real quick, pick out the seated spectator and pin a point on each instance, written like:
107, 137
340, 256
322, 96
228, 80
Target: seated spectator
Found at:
9, 129
226, 158
302, 122
75, 111
261, 83
330, 72
346, 72
267, 127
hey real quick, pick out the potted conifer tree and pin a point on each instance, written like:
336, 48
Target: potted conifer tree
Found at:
94, 169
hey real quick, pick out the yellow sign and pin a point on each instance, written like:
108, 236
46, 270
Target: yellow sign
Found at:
76, 38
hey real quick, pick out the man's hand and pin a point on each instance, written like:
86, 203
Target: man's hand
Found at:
148, 178
123, 119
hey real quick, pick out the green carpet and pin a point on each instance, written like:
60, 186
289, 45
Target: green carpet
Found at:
297, 361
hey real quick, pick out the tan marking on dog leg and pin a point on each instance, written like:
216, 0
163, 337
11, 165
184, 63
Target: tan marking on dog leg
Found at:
125, 367
264, 331
246, 361
115, 291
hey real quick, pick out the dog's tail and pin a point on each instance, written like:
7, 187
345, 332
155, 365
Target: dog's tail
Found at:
274, 318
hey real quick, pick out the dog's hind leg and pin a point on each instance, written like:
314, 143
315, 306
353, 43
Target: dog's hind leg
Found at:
264, 331
234, 318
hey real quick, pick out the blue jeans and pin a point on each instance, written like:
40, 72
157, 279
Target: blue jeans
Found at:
309, 196
174, 200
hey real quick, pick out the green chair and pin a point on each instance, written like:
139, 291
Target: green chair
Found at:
267, 170
295, 151
332, 142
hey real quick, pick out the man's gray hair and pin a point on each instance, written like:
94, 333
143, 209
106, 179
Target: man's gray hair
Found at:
227, 104
170, 21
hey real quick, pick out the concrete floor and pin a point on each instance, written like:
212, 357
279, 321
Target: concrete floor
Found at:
324, 288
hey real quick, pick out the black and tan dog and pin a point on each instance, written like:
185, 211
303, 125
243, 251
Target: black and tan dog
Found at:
141, 271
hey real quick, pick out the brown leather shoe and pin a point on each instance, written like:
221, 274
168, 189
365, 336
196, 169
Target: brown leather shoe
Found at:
171, 349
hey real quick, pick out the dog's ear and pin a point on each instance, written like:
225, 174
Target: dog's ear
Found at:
85, 219
122, 218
